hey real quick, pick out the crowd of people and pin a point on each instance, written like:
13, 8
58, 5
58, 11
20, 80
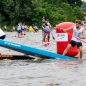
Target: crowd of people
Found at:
46, 29
22, 28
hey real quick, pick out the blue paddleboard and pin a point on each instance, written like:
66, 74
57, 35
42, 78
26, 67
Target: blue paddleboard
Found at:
33, 51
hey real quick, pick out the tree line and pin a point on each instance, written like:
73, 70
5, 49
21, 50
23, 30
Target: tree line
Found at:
32, 11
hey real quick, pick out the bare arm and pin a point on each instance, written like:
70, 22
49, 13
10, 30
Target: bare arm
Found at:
66, 29
84, 34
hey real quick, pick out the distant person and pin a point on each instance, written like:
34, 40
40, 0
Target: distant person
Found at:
35, 27
43, 20
46, 33
19, 30
46, 29
2, 34
48, 23
26, 27
23, 29
78, 34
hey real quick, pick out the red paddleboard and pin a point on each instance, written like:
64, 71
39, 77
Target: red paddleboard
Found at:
61, 45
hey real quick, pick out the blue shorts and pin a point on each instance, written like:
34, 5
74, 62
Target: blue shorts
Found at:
19, 31
73, 43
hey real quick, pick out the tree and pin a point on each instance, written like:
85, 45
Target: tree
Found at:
78, 13
32, 11
75, 2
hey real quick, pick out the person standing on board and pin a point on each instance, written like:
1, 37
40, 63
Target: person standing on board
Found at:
46, 31
2, 34
78, 34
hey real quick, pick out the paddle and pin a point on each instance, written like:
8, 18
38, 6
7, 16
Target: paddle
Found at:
52, 35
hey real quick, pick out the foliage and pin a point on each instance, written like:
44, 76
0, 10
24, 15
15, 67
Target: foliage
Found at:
32, 11
75, 2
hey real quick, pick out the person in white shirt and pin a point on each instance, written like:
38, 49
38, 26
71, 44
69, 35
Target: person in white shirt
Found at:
2, 34
19, 30
78, 34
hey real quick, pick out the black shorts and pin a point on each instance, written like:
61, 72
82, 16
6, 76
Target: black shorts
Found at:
73, 43
3, 37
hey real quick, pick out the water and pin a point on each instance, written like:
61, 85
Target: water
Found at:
42, 73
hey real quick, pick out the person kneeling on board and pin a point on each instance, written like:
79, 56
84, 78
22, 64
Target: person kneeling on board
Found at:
78, 34
2, 34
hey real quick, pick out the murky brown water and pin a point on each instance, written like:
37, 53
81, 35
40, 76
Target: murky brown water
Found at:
42, 73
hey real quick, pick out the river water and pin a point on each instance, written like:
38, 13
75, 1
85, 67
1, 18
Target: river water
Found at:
42, 73
45, 72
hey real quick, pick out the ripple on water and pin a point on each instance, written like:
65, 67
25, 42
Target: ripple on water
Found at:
42, 73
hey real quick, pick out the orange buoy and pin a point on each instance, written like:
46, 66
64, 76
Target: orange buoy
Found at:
64, 39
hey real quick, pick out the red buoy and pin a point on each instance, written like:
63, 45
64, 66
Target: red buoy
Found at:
65, 38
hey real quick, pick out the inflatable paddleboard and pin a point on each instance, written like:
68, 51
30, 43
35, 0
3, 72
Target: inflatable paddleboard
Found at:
33, 51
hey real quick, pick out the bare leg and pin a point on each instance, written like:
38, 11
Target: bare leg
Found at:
81, 51
67, 49
43, 37
19, 35
48, 38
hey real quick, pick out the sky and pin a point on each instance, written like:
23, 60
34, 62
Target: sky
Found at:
84, 0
